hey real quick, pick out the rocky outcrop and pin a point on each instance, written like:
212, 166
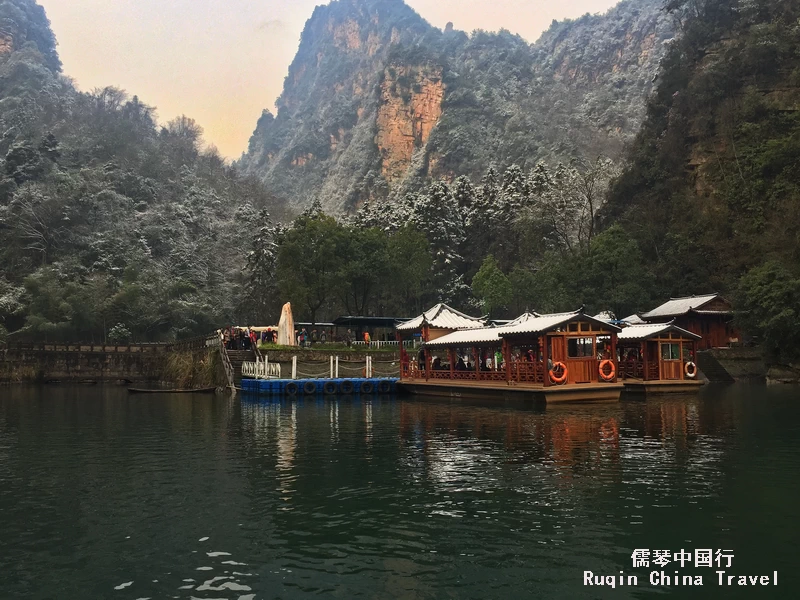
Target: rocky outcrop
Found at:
6, 44
407, 115
783, 375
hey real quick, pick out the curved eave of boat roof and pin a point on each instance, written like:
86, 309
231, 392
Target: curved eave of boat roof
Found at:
547, 323
647, 331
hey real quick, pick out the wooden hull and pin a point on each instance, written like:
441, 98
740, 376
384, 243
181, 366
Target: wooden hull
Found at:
662, 387
503, 391
210, 390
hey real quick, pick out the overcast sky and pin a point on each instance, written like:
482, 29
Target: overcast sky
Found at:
223, 61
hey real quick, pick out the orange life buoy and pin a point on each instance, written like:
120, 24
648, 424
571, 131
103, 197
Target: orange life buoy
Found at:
608, 375
558, 380
690, 369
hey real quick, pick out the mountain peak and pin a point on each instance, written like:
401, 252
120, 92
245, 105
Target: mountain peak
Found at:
377, 101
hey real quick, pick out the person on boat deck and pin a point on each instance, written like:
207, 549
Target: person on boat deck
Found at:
421, 359
437, 364
460, 366
498, 359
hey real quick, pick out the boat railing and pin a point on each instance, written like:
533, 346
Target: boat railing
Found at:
632, 369
527, 372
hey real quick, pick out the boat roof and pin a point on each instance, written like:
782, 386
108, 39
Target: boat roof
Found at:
544, 323
676, 307
442, 316
480, 335
643, 332
525, 324
633, 320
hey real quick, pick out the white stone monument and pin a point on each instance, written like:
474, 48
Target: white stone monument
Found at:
286, 335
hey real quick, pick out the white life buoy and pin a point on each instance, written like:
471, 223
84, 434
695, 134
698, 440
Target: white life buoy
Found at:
690, 369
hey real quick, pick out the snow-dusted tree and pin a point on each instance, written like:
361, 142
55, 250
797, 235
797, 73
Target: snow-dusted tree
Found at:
466, 197
436, 215
570, 203
260, 270
514, 194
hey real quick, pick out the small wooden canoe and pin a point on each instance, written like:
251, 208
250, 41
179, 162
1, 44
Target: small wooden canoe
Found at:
209, 390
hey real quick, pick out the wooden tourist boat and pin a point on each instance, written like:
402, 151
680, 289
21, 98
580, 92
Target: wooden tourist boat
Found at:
556, 358
658, 358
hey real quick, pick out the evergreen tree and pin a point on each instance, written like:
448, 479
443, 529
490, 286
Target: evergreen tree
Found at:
436, 215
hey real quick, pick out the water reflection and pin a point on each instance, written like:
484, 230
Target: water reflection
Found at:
379, 497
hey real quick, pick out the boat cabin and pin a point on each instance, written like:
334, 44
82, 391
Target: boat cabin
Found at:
537, 350
709, 316
657, 352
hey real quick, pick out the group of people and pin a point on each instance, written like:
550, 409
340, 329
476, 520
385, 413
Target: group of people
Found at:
246, 338
306, 340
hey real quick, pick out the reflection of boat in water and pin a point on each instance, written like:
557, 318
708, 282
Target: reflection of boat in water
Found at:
209, 390
569, 436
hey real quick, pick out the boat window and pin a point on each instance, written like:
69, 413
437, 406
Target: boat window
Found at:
670, 352
580, 347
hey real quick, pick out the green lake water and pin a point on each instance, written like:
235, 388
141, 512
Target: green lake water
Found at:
106, 495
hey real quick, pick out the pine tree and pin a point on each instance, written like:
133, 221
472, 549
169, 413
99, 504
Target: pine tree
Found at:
436, 215
261, 267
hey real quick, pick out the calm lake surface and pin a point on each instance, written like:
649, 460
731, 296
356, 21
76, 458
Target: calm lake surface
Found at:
105, 495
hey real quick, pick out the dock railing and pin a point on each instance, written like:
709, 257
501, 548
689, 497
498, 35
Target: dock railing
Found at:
261, 369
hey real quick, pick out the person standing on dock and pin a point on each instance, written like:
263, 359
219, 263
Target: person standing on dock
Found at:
323, 337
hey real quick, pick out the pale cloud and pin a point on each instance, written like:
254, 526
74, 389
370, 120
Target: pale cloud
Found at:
223, 61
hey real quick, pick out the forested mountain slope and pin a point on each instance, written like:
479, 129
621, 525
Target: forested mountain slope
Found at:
712, 194
378, 103
111, 225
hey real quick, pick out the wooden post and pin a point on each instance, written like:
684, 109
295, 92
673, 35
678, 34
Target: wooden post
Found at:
477, 358
451, 353
545, 357
331, 367
645, 365
683, 370
294, 367
427, 364
337, 367
507, 359
614, 360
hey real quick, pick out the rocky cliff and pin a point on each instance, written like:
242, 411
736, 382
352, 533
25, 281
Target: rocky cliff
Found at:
713, 185
377, 101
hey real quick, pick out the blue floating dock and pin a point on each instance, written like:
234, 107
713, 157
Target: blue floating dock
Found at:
320, 387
